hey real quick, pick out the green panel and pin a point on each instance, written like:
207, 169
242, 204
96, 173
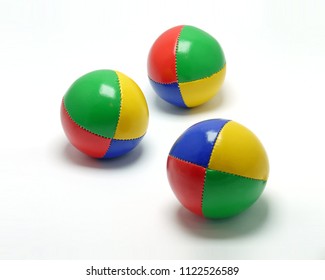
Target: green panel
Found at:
198, 55
93, 102
226, 195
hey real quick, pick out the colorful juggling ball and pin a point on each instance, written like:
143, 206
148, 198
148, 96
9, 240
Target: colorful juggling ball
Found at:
217, 168
104, 114
186, 66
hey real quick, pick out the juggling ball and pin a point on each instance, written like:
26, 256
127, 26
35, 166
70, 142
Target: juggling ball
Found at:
186, 66
217, 168
104, 114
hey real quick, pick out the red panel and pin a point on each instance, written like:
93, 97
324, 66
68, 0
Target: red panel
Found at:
187, 182
162, 57
87, 142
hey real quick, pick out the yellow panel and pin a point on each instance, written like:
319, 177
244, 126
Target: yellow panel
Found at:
238, 151
200, 91
134, 115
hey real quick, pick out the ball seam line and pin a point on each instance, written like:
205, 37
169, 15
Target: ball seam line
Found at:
187, 161
128, 139
203, 78
109, 145
65, 108
214, 144
203, 189
119, 113
207, 168
206, 171
162, 83
207, 77
177, 42
237, 175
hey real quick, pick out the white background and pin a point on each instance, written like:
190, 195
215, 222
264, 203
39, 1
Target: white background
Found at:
56, 203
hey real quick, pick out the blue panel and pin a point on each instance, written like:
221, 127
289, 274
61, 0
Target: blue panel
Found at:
196, 143
169, 92
120, 147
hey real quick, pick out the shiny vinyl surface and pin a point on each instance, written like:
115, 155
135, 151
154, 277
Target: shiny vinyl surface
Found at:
190, 58
217, 168
104, 114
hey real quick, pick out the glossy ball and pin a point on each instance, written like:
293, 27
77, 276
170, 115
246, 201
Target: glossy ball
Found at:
186, 66
217, 168
104, 114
